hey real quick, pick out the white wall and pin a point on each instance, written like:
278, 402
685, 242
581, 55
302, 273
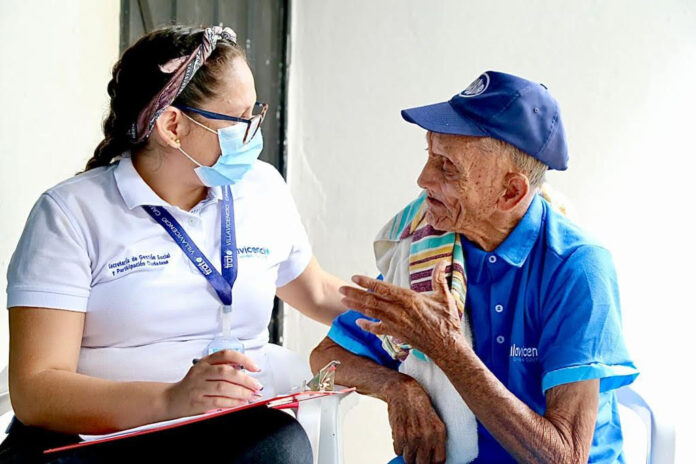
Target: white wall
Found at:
624, 73
56, 61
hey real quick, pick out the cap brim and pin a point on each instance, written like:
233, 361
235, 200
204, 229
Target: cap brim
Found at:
442, 118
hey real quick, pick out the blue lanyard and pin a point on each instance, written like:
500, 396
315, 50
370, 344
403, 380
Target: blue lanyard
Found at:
228, 250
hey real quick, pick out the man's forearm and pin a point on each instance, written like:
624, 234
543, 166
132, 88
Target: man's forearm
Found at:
418, 433
368, 377
528, 436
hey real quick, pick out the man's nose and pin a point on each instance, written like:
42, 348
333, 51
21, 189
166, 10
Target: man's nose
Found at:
426, 177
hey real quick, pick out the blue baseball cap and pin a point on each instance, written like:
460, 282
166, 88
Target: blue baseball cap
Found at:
506, 107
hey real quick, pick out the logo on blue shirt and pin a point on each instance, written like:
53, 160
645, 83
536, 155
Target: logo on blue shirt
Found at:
524, 353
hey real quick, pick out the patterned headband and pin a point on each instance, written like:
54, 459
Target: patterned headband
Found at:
182, 69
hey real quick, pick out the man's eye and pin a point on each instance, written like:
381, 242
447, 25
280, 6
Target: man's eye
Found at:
448, 166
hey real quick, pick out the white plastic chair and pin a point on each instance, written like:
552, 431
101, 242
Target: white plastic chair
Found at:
659, 433
5, 406
322, 420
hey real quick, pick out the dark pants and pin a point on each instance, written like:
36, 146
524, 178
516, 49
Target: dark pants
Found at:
257, 435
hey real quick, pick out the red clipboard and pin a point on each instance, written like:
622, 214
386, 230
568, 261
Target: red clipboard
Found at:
288, 401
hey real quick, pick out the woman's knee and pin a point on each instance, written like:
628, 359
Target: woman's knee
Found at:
295, 444
284, 442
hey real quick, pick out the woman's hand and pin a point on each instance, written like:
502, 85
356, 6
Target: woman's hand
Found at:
216, 381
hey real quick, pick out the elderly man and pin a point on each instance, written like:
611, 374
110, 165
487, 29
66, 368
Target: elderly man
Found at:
481, 250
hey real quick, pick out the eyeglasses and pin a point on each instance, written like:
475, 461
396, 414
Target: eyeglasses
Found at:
253, 124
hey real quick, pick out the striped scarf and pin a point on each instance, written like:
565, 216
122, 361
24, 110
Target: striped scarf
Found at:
428, 247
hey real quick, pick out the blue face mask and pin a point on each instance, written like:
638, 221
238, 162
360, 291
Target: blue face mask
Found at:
236, 158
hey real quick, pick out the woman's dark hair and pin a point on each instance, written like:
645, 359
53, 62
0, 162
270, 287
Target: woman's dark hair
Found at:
136, 78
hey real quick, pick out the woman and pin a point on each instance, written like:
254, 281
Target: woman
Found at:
126, 272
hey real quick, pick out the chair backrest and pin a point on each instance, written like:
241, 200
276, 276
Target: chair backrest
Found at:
660, 434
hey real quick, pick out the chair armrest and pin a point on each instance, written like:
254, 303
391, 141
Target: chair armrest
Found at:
662, 434
5, 405
322, 420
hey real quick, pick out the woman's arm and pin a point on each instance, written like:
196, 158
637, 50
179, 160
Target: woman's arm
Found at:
314, 293
46, 391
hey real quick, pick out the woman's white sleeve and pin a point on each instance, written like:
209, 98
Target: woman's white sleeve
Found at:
50, 267
300, 250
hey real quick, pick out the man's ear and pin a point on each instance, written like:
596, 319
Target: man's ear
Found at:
169, 127
516, 188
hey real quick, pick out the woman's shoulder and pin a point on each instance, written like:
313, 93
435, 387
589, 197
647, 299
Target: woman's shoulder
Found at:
84, 182
264, 177
88, 190
265, 172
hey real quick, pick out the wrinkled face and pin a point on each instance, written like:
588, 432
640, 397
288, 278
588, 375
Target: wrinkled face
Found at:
463, 182
235, 96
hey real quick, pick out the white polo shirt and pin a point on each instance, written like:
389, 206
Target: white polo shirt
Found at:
89, 246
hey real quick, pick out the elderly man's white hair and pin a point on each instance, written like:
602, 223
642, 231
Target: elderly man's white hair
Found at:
531, 167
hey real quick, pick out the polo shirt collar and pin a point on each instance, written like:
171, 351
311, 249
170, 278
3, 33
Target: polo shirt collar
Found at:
135, 192
474, 259
514, 250
516, 247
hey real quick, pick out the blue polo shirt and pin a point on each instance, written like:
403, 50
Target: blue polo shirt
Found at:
544, 308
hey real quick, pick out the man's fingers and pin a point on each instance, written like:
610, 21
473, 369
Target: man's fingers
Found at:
437, 439
385, 290
440, 452
440, 287
398, 442
388, 316
409, 453
376, 328
372, 306
363, 297
423, 454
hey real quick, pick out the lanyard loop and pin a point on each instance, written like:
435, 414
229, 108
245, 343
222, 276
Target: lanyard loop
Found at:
222, 284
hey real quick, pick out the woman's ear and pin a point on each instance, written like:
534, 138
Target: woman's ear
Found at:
169, 127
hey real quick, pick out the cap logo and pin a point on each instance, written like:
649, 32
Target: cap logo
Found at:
477, 87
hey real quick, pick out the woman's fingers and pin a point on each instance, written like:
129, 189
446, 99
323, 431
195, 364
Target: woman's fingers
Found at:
219, 388
221, 402
232, 357
228, 374
214, 382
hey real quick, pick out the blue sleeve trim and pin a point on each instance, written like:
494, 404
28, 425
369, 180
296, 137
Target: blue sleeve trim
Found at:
345, 333
611, 376
348, 343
